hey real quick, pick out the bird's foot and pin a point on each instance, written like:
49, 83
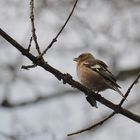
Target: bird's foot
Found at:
92, 101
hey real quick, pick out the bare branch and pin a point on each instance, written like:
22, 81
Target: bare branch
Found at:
129, 89
93, 126
124, 74
33, 26
55, 39
8, 104
29, 46
66, 78
112, 114
28, 67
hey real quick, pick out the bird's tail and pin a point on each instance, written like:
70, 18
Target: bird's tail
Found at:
116, 89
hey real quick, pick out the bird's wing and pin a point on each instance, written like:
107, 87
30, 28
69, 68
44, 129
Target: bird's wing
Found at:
101, 68
103, 65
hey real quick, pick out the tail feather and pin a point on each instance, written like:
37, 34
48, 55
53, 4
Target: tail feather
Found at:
116, 89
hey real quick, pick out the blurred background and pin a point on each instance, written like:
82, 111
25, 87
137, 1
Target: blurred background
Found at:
33, 103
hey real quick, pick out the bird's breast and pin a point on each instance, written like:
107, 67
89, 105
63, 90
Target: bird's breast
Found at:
91, 79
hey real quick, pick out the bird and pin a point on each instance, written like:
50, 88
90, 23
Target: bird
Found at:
95, 74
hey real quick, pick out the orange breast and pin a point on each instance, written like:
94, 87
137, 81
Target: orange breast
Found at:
91, 79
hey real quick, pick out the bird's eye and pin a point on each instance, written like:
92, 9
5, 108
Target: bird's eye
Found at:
81, 56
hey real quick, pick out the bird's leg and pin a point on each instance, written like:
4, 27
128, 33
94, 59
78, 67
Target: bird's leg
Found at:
91, 100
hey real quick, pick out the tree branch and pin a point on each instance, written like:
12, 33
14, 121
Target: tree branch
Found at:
66, 78
34, 36
129, 89
8, 104
29, 46
55, 39
112, 114
124, 74
93, 126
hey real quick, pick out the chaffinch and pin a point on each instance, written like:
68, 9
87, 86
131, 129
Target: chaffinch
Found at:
94, 74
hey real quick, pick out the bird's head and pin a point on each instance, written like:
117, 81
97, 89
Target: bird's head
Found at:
83, 57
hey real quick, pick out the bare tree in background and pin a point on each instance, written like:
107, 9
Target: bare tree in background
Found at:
38, 59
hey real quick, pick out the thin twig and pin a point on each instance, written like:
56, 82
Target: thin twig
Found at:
93, 126
33, 26
129, 89
55, 39
38, 99
112, 114
28, 67
29, 46
69, 80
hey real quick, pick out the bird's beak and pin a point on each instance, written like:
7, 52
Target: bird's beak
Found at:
75, 59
